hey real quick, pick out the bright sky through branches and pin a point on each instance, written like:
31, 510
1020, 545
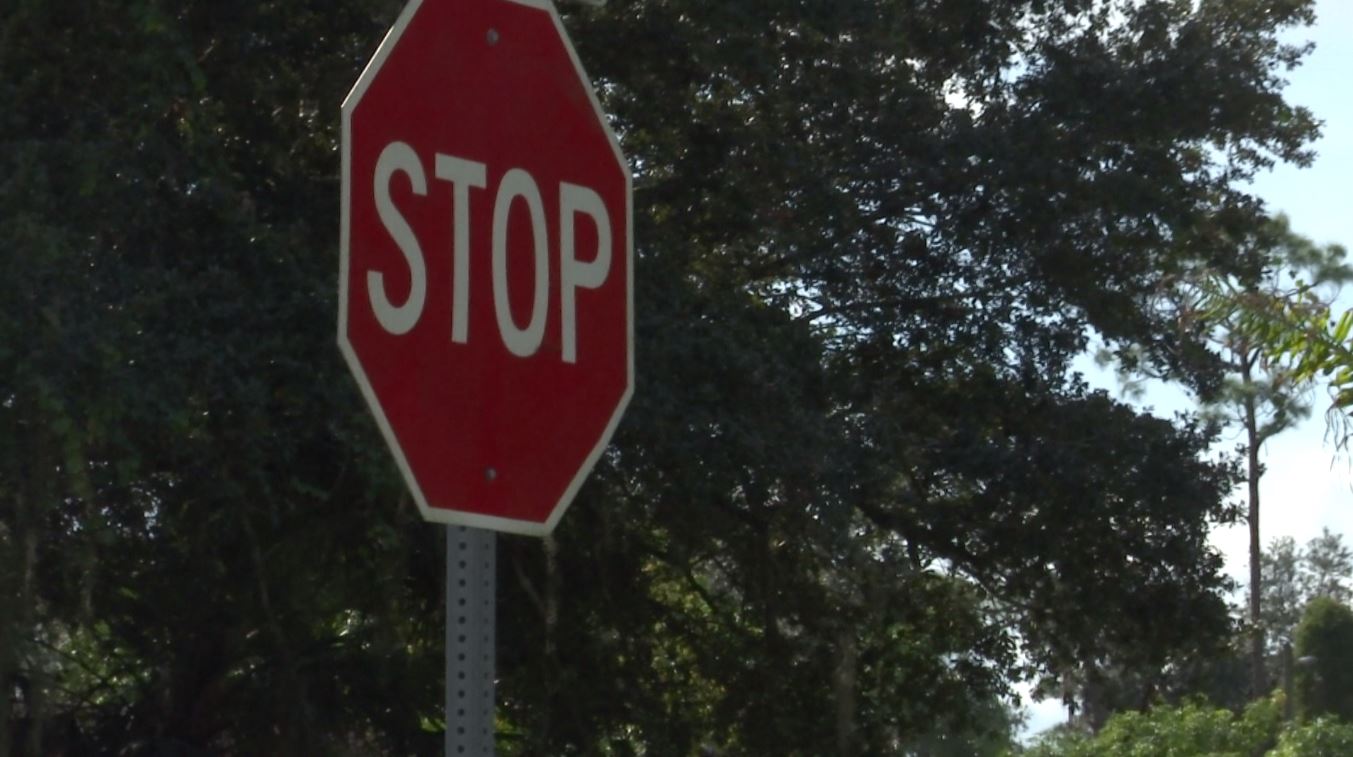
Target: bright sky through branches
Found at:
1304, 488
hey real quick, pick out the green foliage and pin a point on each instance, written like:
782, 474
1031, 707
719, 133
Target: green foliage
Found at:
1283, 600
1292, 325
990, 733
1190, 729
1329, 568
1234, 313
1324, 643
1060, 741
1292, 577
1323, 737
1195, 729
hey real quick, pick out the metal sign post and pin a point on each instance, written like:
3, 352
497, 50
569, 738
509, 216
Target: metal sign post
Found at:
470, 605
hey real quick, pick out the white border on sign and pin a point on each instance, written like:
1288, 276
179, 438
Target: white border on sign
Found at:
457, 517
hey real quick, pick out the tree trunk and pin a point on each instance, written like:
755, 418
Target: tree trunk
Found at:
9, 607
1258, 674
846, 674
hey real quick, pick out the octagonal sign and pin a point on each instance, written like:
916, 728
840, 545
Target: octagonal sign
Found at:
485, 291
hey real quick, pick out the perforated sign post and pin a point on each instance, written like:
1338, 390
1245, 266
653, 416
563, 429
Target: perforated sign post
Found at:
485, 291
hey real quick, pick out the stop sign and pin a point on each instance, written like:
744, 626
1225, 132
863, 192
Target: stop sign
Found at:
485, 291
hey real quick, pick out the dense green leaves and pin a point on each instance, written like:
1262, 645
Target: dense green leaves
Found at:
1324, 647
1195, 728
1318, 739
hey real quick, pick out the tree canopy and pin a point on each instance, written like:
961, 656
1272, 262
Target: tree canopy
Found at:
859, 492
1324, 643
1294, 576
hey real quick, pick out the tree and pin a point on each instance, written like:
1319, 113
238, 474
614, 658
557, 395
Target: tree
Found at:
195, 527
1293, 577
1283, 591
871, 241
1299, 332
1328, 568
1263, 397
992, 734
1324, 642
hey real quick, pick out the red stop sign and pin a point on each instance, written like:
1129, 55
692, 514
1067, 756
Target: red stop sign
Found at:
485, 293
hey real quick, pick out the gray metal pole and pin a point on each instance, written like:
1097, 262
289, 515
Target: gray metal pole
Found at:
470, 604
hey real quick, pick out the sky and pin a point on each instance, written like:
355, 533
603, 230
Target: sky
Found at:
1304, 488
